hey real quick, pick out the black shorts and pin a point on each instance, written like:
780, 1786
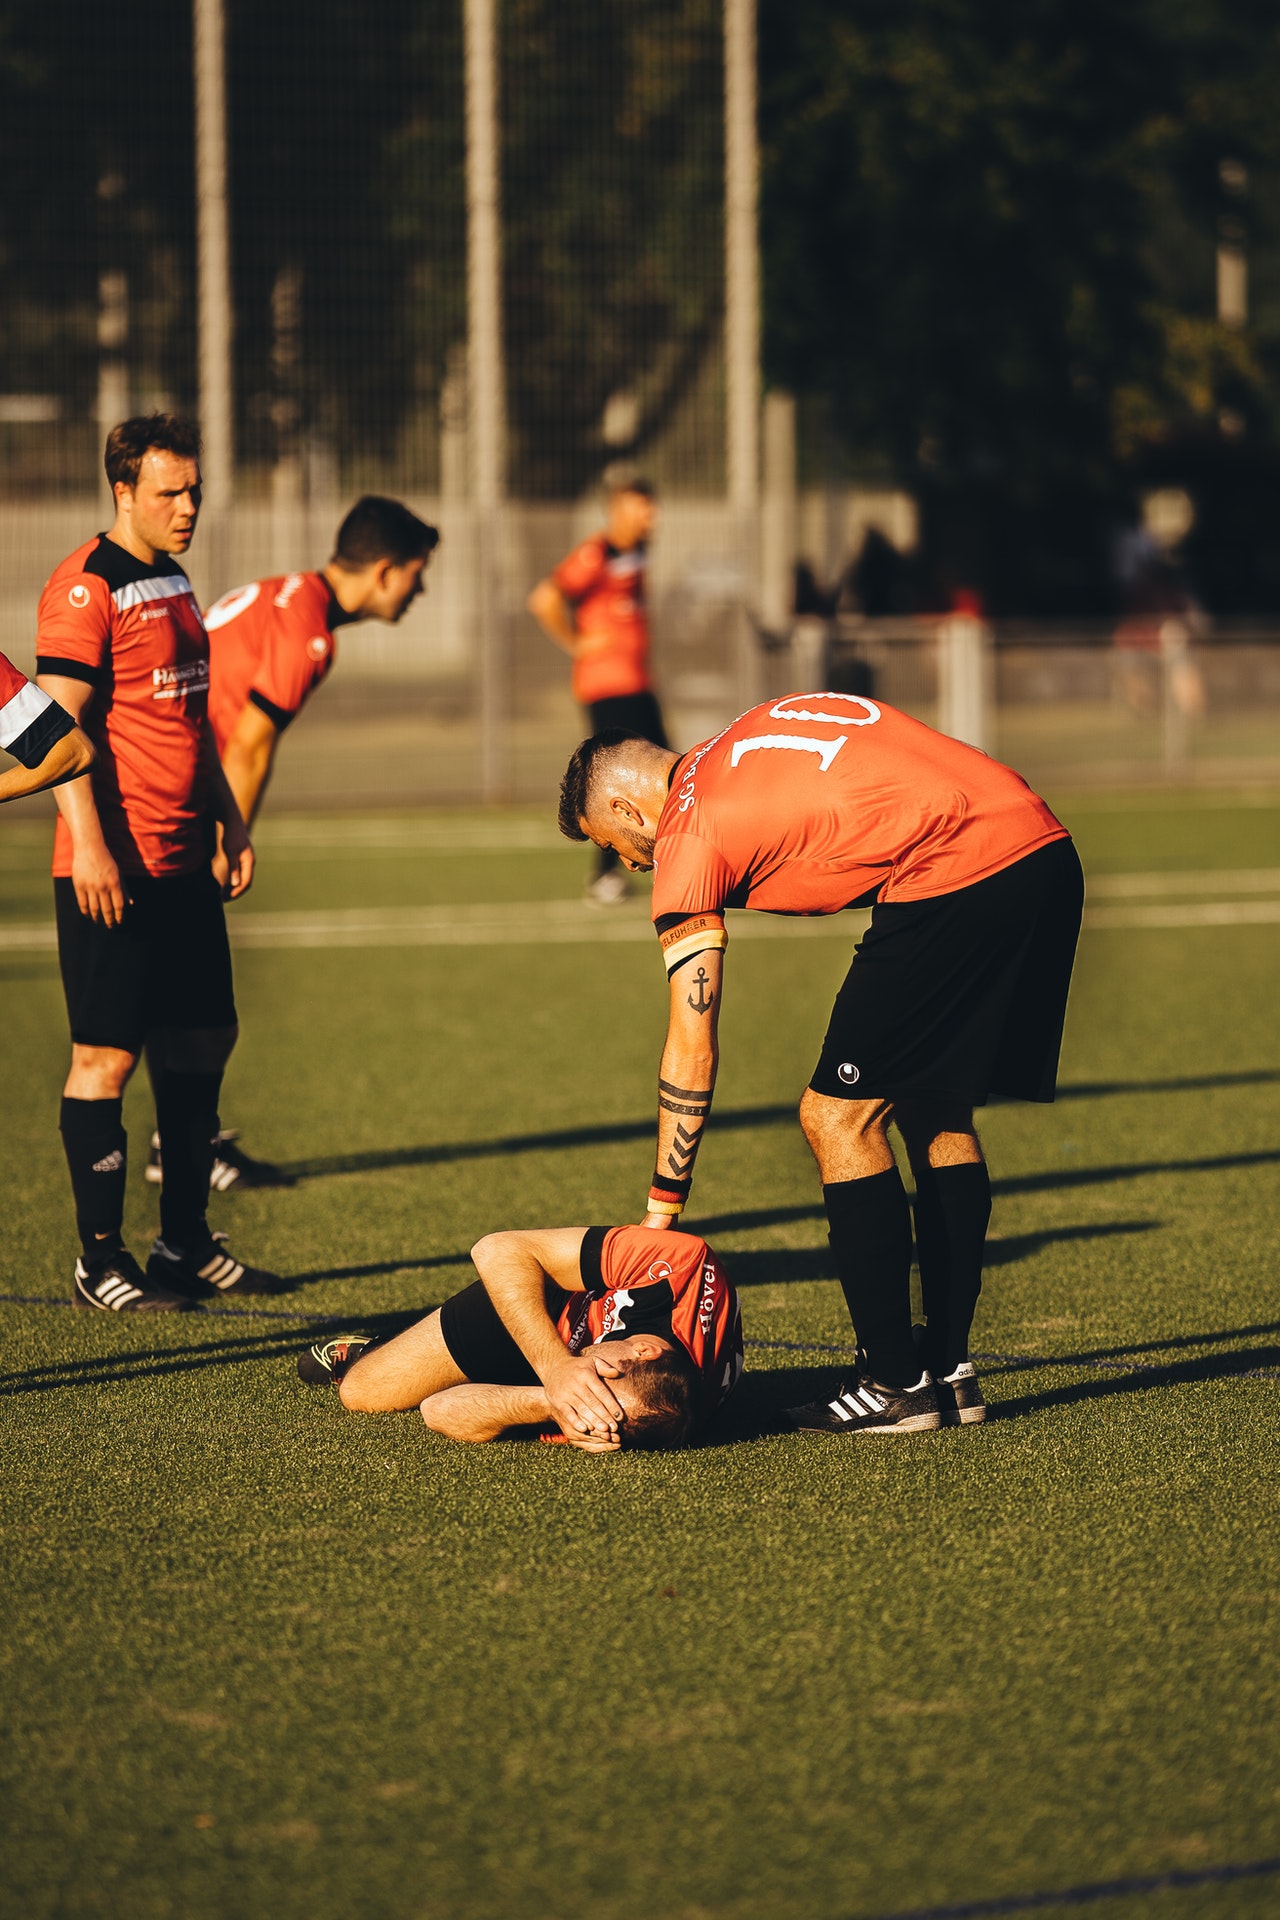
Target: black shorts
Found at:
480, 1346
634, 712
167, 964
961, 996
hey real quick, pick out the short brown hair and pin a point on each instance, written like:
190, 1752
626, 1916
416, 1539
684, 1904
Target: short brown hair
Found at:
666, 1393
380, 529
128, 443
580, 775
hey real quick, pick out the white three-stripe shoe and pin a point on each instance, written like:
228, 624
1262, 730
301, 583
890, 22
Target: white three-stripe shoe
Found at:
202, 1272
120, 1286
867, 1406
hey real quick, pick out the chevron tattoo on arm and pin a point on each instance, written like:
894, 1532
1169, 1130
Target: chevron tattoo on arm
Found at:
683, 1148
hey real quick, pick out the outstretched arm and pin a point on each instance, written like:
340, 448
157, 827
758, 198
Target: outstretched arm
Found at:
68, 757
686, 1081
501, 1413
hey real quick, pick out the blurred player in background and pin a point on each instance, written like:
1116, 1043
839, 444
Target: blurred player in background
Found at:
593, 606
271, 644
822, 801
36, 732
600, 1336
142, 937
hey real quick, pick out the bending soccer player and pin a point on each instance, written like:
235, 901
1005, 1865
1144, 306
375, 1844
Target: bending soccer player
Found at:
599, 1336
142, 938
40, 735
593, 605
271, 643
959, 989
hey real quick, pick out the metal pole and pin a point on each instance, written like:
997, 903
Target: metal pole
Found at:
742, 298
213, 275
485, 380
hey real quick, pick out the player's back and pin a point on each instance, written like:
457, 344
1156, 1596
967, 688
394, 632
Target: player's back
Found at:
816, 800
270, 643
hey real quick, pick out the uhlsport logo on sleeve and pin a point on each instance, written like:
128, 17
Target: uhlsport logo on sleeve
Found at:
79, 596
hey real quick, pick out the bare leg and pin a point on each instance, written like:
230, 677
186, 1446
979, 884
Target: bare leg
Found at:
403, 1373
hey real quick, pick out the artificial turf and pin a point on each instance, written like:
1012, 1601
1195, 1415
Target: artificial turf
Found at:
262, 1658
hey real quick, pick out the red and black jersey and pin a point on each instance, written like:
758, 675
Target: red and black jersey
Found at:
134, 632
30, 722
668, 1284
271, 644
604, 585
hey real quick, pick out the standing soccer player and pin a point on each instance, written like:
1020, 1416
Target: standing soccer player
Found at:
142, 939
593, 606
271, 643
958, 990
36, 732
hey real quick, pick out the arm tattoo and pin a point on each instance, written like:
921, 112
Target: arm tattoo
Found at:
684, 1147
701, 1094
677, 1106
704, 1001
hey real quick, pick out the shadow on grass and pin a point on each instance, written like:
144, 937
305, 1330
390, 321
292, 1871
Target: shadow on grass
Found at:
1244, 1363
728, 1119
782, 1266
144, 1363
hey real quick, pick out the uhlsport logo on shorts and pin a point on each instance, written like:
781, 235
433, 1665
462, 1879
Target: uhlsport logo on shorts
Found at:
847, 1072
79, 596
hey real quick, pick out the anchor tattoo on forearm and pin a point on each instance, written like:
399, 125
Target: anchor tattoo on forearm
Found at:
705, 1001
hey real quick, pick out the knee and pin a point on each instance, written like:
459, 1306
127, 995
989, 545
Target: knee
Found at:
199, 1049
99, 1073
358, 1393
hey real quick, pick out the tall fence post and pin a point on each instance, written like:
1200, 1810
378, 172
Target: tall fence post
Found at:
965, 676
742, 317
486, 387
213, 282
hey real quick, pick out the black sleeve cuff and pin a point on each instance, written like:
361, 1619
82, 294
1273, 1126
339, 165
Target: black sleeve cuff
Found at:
34, 742
589, 1259
278, 716
71, 669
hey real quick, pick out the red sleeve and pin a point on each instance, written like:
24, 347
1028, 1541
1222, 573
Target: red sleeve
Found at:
11, 681
582, 570
73, 634
294, 661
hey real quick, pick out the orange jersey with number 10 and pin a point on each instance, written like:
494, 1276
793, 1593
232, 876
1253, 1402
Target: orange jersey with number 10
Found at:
821, 800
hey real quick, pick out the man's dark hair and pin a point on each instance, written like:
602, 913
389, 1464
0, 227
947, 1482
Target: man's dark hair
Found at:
381, 529
132, 439
634, 483
666, 1391
579, 775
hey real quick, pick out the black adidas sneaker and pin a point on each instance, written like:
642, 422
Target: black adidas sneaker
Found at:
960, 1397
324, 1364
232, 1166
867, 1406
120, 1286
205, 1271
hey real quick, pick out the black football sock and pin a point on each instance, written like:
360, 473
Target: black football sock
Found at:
97, 1150
870, 1233
187, 1119
934, 1260
953, 1207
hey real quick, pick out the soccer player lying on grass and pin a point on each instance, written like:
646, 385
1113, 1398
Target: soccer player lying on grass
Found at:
604, 1337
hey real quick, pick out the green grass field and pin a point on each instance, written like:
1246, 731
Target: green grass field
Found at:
262, 1658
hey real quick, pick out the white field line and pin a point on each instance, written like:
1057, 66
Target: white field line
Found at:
1136, 886
562, 922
